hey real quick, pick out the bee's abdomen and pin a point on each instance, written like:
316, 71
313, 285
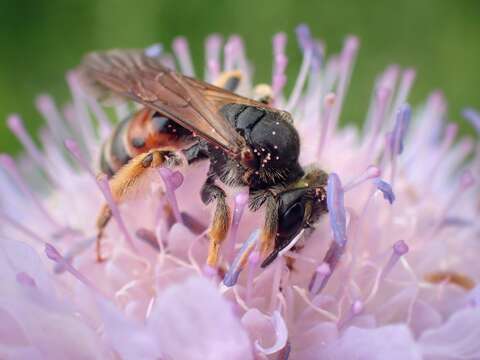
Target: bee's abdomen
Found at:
139, 133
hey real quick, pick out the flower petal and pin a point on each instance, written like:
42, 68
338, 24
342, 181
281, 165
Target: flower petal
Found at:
393, 342
129, 339
193, 321
458, 338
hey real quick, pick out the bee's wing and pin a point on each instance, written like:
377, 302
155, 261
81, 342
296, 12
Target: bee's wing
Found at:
192, 103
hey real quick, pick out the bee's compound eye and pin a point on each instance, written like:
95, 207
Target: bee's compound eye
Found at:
291, 220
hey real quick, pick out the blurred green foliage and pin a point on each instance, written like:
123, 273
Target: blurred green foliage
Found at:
41, 40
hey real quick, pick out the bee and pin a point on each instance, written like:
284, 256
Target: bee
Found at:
248, 143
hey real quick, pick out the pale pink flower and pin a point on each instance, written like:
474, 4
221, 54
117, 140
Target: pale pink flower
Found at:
390, 273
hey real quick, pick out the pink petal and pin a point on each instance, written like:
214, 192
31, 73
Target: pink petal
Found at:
393, 342
130, 339
193, 321
458, 338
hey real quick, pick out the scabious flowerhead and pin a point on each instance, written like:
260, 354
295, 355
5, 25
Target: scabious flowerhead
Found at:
390, 273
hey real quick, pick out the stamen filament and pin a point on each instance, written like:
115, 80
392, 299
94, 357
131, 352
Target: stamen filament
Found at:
9, 165
172, 181
241, 200
180, 48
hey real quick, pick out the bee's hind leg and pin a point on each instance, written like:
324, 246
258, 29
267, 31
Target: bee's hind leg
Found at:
128, 180
221, 219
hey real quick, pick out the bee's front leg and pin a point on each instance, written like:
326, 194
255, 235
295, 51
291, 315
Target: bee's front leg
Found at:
128, 179
221, 219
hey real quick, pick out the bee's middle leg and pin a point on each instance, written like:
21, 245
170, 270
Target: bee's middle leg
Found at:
221, 219
128, 179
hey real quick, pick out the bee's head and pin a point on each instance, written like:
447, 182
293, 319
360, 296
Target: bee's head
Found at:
298, 209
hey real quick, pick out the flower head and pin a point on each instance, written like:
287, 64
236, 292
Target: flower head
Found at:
391, 272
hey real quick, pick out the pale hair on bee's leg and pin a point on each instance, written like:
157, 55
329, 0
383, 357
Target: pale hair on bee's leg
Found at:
128, 180
229, 80
263, 93
221, 219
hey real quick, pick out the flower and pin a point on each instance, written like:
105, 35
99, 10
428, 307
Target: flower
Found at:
391, 272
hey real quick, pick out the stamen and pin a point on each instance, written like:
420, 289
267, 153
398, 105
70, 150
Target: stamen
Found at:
231, 51
386, 189
22, 228
400, 248
279, 78
180, 48
241, 200
329, 102
336, 209
102, 182
154, 50
172, 180
400, 130
347, 60
253, 262
9, 165
103, 120
148, 237
473, 116
75, 250
322, 271
212, 50
73, 148
276, 281
355, 310
381, 101
15, 124
371, 172
450, 133
402, 123
82, 119
408, 77
241, 259
46, 106
25, 279
305, 67
53, 254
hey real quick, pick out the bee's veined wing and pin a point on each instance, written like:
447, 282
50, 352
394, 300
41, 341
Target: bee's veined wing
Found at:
191, 103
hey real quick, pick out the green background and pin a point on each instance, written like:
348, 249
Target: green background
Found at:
40, 40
